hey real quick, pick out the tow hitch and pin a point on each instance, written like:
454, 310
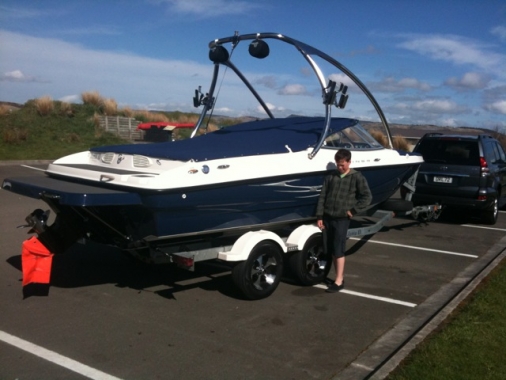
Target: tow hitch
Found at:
426, 213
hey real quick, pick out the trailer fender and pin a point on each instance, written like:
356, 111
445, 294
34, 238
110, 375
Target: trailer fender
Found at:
244, 245
301, 234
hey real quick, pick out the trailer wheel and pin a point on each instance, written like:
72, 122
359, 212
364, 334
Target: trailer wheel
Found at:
259, 276
311, 265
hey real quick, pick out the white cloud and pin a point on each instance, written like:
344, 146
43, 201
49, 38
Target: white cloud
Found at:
499, 31
450, 122
15, 75
21, 12
390, 84
431, 106
70, 98
18, 76
457, 50
225, 110
210, 8
70, 69
344, 79
268, 81
92, 30
497, 107
438, 105
293, 89
429, 111
469, 81
271, 108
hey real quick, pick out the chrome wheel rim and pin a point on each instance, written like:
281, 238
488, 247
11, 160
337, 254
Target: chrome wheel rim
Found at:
263, 272
316, 261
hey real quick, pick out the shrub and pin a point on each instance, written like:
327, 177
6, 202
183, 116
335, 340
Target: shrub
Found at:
401, 143
109, 107
188, 118
91, 97
146, 116
4, 109
128, 112
44, 105
379, 137
66, 109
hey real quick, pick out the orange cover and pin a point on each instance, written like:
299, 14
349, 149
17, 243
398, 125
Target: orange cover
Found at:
36, 261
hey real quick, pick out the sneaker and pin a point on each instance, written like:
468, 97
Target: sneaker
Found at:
334, 288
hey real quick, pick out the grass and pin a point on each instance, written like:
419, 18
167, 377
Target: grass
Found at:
470, 344
42, 131
48, 129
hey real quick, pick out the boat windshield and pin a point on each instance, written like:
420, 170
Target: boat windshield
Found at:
355, 137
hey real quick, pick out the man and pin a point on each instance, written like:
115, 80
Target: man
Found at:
344, 193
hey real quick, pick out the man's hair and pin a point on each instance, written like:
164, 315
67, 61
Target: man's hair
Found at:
343, 154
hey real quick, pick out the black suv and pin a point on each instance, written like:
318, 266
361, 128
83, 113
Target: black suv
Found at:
465, 172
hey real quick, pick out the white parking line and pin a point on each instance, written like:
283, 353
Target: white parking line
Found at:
53, 357
420, 248
370, 296
31, 167
483, 227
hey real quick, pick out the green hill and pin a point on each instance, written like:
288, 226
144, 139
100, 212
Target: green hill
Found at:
27, 133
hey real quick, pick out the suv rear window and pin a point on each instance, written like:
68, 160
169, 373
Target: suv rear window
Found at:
452, 152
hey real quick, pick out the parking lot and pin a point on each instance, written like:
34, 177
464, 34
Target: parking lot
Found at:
108, 317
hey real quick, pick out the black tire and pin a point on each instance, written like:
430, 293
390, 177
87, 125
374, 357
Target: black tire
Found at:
489, 215
396, 205
311, 265
259, 276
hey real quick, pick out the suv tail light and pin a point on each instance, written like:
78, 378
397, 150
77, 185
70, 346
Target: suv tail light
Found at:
484, 167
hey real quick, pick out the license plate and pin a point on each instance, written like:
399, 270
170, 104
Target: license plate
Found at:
443, 179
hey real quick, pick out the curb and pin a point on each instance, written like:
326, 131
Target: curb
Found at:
384, 355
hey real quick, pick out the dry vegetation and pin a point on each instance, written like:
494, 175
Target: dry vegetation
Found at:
127, 112
379, 137
44, 105
399, 142
66, 109
91, 97
109, 107
14, 136
5, 109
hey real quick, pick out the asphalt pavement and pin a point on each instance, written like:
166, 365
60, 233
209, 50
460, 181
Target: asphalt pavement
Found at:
108, 317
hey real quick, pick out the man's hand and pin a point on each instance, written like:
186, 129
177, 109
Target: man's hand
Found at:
320, 224
350, 215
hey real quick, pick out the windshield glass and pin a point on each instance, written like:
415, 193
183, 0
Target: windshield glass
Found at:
355, 137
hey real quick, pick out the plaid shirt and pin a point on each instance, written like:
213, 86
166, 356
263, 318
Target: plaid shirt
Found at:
339, 195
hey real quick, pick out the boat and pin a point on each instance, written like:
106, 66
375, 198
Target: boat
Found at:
260, 174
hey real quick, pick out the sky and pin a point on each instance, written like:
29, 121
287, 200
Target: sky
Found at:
425, 62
